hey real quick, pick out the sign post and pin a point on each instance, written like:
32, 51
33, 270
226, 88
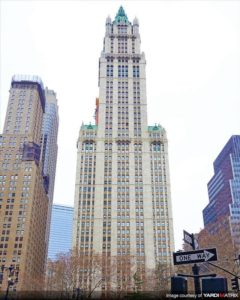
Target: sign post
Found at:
195, 270
190, 239
194, 257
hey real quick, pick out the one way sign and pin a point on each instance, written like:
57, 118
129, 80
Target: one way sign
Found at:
190, 257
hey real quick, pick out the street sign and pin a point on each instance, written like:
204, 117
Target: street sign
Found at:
198, 256
188, 238
196, 245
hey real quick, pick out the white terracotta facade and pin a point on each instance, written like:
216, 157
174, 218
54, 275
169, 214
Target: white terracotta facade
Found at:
122, 191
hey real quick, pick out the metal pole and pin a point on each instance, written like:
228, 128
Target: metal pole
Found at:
6, 295
216, 266
196, 279
195, 270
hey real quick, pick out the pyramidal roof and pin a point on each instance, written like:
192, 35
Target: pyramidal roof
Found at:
121, 17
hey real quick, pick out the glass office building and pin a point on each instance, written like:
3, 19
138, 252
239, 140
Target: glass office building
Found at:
224, 190
49, 148
60, 240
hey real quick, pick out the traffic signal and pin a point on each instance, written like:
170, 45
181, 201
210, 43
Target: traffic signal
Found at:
214, 285
235, 285
179, 285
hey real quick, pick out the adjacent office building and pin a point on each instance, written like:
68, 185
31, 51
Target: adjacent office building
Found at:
50, 147
60, 240
122, 194
224, 192
49, 139
24, 188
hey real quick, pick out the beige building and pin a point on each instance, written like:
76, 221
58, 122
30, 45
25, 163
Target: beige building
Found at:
23, 189
122, 192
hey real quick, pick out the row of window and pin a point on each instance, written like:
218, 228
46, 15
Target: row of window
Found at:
122, 71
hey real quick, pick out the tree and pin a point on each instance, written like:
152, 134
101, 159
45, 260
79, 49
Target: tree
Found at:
61, 273
219, 235
71, 271
92, 273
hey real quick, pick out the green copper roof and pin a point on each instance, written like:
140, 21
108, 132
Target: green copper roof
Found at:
121, 16
90, 126
155, 128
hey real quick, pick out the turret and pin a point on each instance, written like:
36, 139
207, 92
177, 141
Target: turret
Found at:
135, 26
108, 25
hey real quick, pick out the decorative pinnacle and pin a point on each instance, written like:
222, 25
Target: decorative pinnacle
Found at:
121, 16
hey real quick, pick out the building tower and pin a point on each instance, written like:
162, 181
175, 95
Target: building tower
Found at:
223, 208
23, 195
50, 147
122, 193
49, 139
60, 240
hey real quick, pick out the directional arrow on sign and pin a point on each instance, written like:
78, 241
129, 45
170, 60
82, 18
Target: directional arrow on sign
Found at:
197, 256
205, 255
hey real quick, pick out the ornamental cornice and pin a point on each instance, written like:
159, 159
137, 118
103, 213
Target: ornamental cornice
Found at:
136, 140
122, 55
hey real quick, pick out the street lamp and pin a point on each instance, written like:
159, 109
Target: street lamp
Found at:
11, 280
76, 293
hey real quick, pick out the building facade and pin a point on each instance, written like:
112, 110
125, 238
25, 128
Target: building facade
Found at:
49, 139
122, 193
60, 240
49, 146
224, 192
23, 195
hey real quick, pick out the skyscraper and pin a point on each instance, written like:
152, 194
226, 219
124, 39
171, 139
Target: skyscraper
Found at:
23, 195
49, 139
224, 192
60, 240
50, 147
122, 193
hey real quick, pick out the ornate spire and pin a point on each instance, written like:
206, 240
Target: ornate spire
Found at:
135, 21
121, 16
108, 20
